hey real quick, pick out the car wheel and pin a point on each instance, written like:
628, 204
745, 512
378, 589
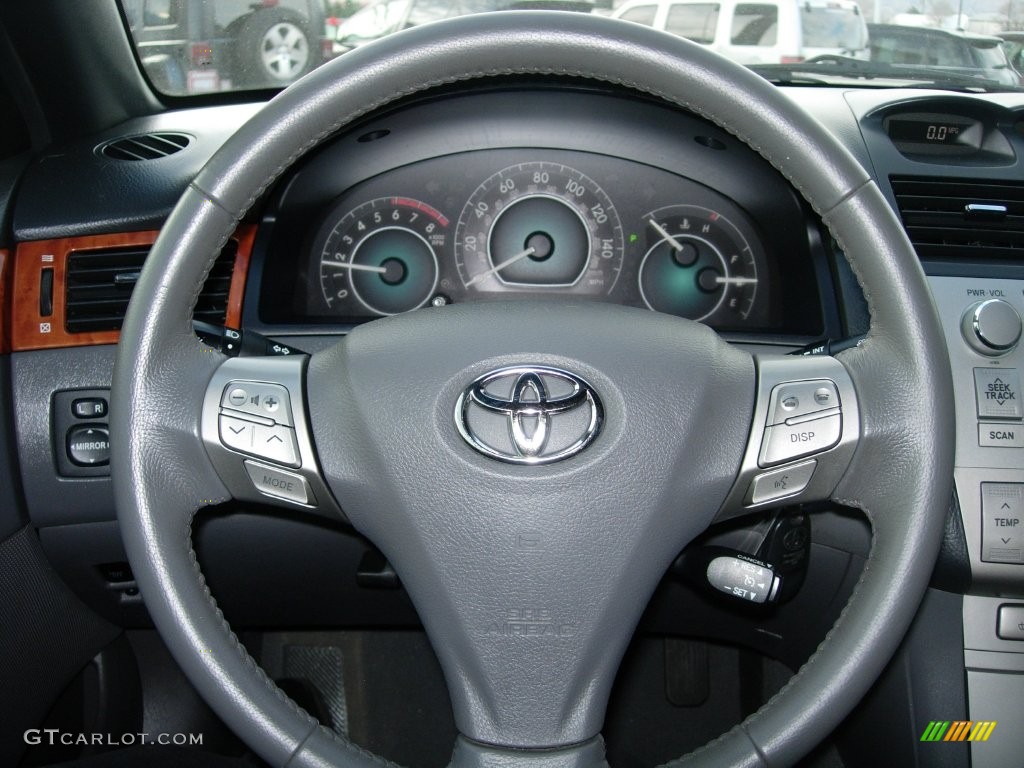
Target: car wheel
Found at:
273, 48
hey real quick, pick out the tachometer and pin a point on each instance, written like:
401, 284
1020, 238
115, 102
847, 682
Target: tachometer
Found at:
382, 254
698, 264
539, 226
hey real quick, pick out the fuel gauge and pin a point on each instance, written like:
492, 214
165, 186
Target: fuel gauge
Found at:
698, 265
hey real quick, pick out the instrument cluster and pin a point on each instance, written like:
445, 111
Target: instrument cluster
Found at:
536, 227
539, 193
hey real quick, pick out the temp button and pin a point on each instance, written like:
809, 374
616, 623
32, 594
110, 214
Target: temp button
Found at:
1002, 522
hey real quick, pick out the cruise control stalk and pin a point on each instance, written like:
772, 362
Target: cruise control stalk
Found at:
768, 567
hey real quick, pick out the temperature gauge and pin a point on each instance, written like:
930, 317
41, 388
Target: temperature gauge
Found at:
698, 264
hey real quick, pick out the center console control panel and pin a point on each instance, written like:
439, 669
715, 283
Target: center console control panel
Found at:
981, 318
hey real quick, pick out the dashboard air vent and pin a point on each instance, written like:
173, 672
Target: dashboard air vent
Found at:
100, 283
962, 219
147, 146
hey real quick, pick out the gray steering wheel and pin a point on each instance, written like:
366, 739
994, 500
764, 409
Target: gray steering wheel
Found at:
372, 427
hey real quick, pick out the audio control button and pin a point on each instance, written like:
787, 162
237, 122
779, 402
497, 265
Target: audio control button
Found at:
258, 398
784, 442
279, 484
997, 391
991, 327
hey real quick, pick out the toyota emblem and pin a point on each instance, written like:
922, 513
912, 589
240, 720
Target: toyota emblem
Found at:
529, 414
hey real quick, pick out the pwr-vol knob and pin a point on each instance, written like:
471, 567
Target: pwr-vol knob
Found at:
991, 327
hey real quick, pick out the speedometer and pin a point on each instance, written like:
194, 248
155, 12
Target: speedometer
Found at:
538, 226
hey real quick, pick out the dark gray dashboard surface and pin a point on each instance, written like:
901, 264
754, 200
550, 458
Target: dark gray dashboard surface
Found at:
73, 189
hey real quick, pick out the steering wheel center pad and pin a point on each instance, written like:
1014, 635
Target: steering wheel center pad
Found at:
530, 579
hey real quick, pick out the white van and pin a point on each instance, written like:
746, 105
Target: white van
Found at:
759, 32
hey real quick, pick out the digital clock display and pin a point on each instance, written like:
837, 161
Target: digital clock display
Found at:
925, 132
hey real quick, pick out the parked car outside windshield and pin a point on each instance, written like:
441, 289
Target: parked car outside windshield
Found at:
191, 47
765, 32
195, 46
939, 49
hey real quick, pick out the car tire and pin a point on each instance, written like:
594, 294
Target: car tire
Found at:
273, 48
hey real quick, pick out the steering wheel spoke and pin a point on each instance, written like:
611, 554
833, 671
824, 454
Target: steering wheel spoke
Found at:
255, 430
804, 431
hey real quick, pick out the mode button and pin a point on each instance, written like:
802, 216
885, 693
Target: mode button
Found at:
274, 482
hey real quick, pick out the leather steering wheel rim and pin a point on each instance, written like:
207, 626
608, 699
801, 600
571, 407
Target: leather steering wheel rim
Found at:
900, 475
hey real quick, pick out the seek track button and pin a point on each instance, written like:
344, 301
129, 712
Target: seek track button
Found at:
997, 391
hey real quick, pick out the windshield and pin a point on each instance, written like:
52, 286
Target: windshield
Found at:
833, 26
192, 47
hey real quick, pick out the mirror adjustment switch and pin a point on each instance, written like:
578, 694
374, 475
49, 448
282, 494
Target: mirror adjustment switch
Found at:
89, 408
72, 414
89, 445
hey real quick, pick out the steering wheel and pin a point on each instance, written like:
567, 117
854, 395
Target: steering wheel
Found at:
658, 426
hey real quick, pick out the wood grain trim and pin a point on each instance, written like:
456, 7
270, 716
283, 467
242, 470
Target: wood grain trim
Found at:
29, 330
246, 236
5, 312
